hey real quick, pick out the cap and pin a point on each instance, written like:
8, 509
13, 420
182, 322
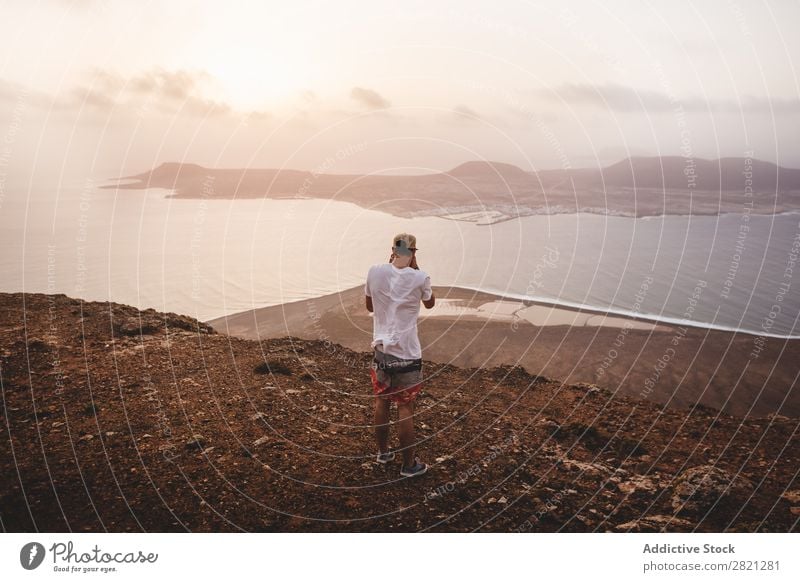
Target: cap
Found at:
404, 243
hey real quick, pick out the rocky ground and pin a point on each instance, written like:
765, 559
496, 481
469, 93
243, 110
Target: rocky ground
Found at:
119, 420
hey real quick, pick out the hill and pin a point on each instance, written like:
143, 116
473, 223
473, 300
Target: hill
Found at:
634, 187
491, 171
678, 173
124, 420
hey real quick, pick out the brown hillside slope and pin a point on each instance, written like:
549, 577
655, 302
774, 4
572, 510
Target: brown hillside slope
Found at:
121, 420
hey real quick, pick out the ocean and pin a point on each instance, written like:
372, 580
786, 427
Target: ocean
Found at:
209, 258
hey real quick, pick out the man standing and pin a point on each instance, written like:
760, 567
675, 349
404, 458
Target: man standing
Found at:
393, 292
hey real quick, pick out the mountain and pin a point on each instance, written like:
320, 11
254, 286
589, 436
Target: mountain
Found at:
116, 419
677, 173
491, 171
633, 187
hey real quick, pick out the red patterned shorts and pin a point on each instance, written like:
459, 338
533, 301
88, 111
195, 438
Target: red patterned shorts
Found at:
400, 388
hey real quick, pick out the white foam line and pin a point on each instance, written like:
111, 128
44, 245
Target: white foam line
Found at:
635, 315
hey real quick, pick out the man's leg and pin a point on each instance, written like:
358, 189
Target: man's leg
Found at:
405, 413
381, 419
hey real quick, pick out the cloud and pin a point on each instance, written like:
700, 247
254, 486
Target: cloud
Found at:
464, 113
177, 85
369, 98
15, 95
614, 97
172, 92
775, 105
625, 99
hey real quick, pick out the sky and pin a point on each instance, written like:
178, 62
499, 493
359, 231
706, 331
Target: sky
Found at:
102, 89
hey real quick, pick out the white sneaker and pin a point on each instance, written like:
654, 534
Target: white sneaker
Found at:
415, 471
384, 458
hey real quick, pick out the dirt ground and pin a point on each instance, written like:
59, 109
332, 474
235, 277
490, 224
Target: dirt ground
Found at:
119, 420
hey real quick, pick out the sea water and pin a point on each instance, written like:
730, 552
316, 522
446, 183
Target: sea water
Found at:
209, 258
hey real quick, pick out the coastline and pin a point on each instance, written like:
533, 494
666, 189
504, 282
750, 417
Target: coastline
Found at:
643, 318
539, 312
265, 320
674, 365
452, 212
486, 193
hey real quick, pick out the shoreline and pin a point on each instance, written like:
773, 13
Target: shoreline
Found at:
672, 322
485, 192
559, 314
451, 213
560, 310
676, 366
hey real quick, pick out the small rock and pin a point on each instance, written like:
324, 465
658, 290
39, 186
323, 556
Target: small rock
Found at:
261, 441
653, 523
549, 424
638, 482
700, 488
37, 344
792, 496
197, 440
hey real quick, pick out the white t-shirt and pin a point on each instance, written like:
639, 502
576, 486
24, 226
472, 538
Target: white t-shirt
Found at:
396, 294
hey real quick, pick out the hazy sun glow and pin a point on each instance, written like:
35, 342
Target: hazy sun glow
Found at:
250, 80
532, 84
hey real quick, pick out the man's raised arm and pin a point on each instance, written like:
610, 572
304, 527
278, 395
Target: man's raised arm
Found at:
426, 287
